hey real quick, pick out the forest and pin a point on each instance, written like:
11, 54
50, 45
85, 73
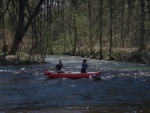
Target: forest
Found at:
102, 29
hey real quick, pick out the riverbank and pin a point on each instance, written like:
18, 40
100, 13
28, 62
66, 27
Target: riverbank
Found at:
23, 60
20, 62
136, 57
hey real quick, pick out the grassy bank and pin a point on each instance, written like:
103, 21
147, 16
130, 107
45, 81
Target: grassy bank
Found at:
129, 56
21, 59
117, 55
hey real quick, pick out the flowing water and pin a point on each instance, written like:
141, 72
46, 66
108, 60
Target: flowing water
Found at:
124, 88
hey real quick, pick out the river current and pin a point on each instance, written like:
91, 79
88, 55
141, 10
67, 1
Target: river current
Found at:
124, 88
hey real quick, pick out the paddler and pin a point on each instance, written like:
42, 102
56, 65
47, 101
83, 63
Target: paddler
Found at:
59, 67
84, 66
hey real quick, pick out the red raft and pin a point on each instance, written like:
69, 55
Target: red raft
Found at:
73, 75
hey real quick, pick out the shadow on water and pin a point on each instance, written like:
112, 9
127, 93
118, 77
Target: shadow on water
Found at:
124, 88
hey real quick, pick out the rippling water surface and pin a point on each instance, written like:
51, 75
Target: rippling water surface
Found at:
124, 88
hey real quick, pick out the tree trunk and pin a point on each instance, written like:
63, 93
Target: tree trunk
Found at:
142, 26
21, 26
50, 29
101, 29
75, 35
1, 3
19, 31
90, 27
123, 26
63, 22
69, 28
148, 10
75, 26
148, 7
111, 20
4, 48
129, 23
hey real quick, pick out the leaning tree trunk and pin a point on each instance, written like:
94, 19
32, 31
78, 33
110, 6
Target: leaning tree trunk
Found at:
22, 27
19, 31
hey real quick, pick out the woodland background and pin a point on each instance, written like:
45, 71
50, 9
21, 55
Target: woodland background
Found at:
102, 29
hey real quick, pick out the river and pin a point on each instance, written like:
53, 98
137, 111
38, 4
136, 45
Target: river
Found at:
124, 88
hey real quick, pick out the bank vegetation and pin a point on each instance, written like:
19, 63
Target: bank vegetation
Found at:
102, 29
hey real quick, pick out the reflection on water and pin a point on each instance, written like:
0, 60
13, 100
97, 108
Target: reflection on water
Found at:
125, 87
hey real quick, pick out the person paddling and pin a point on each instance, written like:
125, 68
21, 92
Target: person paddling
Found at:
59, 66
84, 66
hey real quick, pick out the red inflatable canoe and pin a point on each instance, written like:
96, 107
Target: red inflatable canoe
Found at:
73, 75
